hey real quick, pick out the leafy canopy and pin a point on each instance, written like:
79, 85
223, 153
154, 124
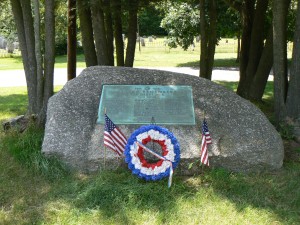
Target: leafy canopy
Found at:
182, 23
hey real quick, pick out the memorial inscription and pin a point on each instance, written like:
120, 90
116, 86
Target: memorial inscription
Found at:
137, 104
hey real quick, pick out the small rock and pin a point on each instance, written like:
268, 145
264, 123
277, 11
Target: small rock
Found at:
20, 123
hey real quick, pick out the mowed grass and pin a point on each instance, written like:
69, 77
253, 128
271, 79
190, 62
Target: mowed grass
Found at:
156, 54
36, 190
153, 54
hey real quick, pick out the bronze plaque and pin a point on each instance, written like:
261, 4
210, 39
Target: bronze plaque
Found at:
143, 104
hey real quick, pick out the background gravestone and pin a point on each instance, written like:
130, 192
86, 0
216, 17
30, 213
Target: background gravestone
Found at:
1, 42
243, 138
143, 42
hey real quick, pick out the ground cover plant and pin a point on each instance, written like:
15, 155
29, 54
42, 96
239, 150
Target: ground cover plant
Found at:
36, 190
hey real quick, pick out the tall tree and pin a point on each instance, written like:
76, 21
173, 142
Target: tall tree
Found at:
293, 97
109, 31
256, 53
286, 91
86, 28
118, 33
37, 99
49, 57
99, 32
182, 23
132, 32
208, 29
38, 51
72, 39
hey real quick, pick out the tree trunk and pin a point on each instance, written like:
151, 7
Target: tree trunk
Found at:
31, 54
18, 17
280, 59
38, 54
208, 38
109, 32
49, 57
86, 28
203, 41
247, 14
238, 48
30, 45
256, 43
263, 70
72, 39
212, 40
293, 97
99, 32
132, 29
117, 19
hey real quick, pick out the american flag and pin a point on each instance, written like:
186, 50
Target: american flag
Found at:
206, 139
113, 137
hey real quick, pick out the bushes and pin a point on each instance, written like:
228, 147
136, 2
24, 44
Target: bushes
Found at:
61, 48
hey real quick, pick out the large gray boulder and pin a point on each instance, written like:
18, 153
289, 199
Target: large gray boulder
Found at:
243, 138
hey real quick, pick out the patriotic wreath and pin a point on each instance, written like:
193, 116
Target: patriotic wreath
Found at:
168, 160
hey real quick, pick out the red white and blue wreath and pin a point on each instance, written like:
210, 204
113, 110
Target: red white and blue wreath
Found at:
168, 160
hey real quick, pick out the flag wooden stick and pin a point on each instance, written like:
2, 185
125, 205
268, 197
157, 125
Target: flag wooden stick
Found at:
104, 145
202, 164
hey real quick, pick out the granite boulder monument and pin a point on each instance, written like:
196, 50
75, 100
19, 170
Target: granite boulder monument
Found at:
242, 137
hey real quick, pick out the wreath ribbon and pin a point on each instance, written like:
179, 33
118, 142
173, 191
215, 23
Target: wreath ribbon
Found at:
168, 158
159, 157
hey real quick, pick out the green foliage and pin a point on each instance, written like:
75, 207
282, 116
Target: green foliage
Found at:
61, 48
229, 22
7, 24
291, 20
182, 23
61, 27
149, 20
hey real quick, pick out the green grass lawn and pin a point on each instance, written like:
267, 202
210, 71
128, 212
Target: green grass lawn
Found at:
154, 54
147, 58
37, 190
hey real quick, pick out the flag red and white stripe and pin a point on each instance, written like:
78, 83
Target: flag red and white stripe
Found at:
206, 139
113, 137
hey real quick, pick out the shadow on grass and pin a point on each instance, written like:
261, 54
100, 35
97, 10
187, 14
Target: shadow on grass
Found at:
117, 194
226, 64
121, 198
